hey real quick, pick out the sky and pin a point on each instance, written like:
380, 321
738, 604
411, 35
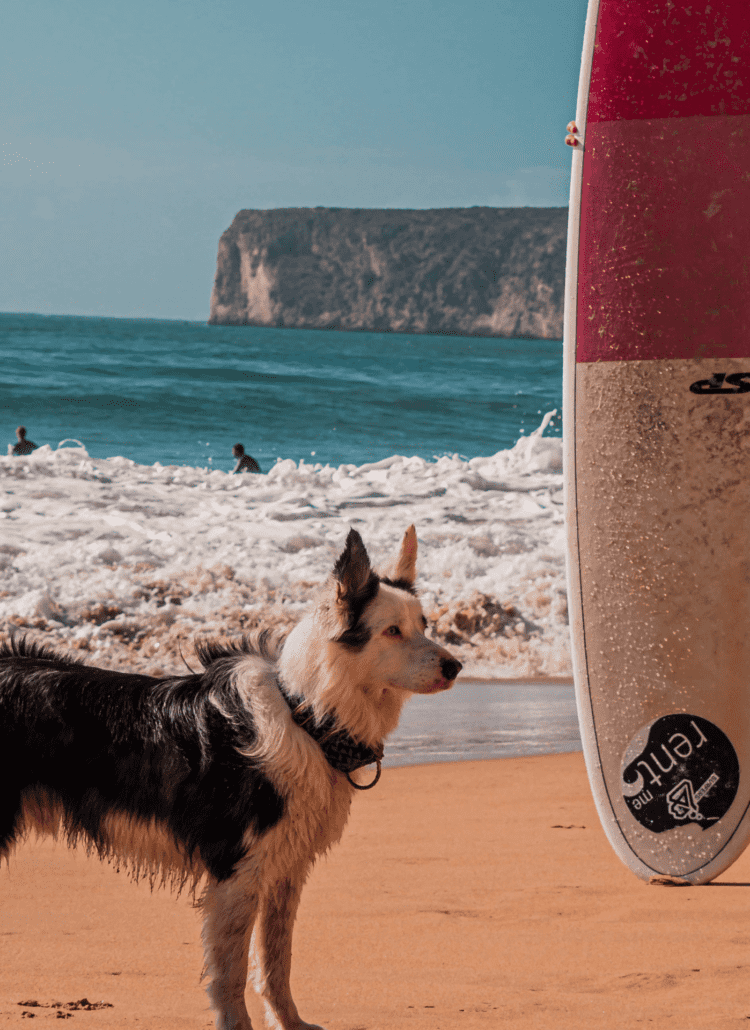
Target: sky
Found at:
133, 131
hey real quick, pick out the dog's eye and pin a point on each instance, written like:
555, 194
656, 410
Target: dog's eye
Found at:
393, 631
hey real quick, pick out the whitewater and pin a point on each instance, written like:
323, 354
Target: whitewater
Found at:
129, 563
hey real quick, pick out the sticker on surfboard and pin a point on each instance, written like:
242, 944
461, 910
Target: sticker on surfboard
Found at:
677, 770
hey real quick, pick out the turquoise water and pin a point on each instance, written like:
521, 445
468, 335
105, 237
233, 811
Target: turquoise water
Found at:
183, 392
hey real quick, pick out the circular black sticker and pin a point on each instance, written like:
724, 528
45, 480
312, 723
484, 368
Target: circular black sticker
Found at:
680, 769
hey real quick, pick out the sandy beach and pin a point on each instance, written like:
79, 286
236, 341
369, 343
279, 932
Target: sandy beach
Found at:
467, 895
464, 895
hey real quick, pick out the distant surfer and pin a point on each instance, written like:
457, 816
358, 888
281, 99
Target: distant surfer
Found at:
245, 463
23, 446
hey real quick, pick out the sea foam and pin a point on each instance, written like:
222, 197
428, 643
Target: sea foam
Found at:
130, 562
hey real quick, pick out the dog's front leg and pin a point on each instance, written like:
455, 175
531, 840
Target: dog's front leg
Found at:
271, 952
230, 909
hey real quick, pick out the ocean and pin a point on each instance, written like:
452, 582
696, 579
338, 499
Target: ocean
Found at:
182, 393
133, 540
474, 721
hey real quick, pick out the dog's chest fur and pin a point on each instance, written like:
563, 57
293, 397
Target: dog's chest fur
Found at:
317, 798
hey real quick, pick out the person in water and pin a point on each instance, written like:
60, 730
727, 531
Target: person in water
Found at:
23, 446
245, 463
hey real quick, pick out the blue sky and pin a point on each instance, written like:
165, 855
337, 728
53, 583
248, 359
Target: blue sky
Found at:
133, 131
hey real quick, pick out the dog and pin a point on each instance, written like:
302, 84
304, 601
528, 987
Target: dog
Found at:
233, 780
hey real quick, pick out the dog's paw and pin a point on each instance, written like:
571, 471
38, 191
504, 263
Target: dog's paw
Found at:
276, 1023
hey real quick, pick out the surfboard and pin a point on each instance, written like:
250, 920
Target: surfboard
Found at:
657, 429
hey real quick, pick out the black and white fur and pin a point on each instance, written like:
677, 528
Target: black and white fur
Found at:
207, 778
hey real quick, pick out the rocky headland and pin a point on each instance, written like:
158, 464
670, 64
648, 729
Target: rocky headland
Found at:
477, 271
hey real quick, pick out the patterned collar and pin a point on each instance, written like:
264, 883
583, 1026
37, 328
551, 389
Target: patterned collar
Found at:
341, 750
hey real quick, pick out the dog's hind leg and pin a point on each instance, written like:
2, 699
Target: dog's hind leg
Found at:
271, 952
229, 910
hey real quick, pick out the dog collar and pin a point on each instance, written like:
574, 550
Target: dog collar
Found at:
342, 751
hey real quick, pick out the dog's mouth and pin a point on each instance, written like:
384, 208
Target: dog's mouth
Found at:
438, 686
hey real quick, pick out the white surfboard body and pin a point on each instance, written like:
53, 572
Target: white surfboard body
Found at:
657, 429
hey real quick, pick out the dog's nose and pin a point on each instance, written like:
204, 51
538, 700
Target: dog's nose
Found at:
450, 668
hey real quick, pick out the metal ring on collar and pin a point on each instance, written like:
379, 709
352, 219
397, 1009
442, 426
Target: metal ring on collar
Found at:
367, 786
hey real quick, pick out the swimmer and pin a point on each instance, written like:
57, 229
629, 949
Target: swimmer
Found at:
23, 446
245, 462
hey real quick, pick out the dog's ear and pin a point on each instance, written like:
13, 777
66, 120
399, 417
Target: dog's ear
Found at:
352, 570
403, 568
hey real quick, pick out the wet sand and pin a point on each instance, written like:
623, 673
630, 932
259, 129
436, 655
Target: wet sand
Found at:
465, 895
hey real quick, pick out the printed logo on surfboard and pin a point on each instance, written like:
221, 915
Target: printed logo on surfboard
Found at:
720, 382
680, 769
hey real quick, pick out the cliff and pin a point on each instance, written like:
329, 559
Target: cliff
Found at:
477, 271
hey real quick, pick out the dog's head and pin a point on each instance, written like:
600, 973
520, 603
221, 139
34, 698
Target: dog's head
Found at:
363, 651
377, 623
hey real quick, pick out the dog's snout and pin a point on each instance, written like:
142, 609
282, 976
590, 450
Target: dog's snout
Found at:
450, 668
